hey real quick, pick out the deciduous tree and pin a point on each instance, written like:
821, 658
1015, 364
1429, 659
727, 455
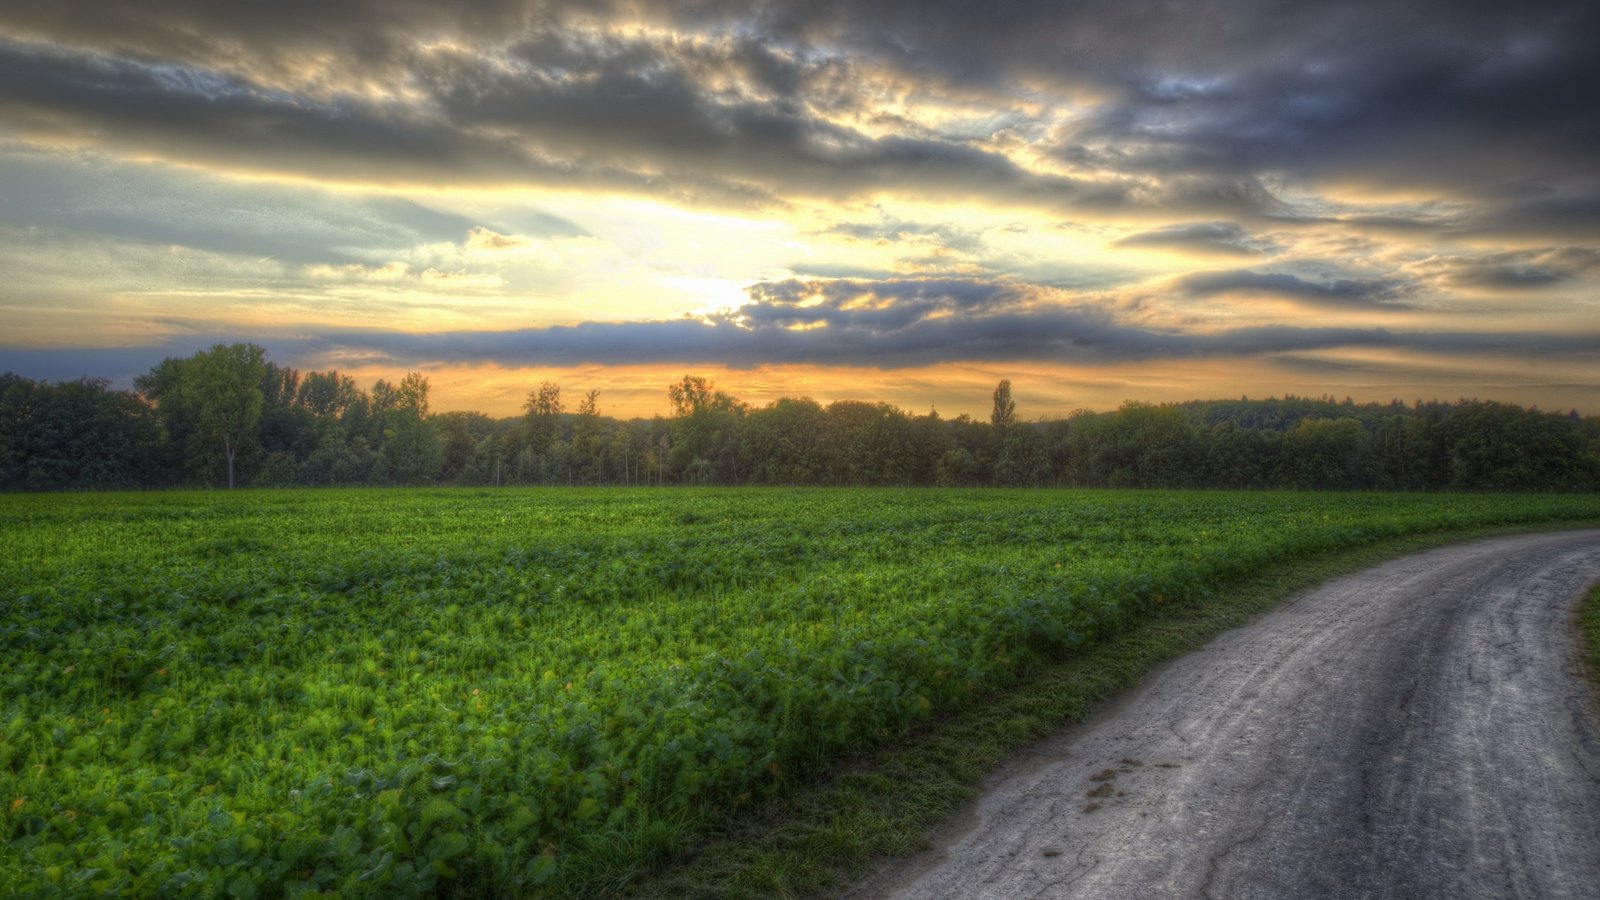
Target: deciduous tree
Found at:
214, 396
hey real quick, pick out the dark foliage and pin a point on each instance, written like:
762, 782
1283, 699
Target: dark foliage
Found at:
320, 428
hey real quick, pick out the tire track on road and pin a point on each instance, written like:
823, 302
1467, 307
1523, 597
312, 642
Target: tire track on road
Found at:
1415, 730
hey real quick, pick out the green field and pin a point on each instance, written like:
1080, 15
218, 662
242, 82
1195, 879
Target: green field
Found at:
502, 693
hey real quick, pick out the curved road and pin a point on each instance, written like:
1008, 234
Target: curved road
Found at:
1417, 730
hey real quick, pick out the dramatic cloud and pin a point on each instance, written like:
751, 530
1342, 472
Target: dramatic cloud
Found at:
1431, 92
1545, 212
822, 183
165, 206
890, 230
1225, 238
624, 118
891, 325
1515, 270
1055, 335
1341, 292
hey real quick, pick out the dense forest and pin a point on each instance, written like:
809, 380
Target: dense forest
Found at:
229, 416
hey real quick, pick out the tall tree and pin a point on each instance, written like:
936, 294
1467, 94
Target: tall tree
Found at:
782, 442
289, 431
327, 394
588, 445
1004, 414
160, 389
225, 385
412, 447
211, 401
705, 427
689, 396
542, 422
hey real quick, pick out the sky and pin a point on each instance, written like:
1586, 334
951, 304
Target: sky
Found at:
888, 200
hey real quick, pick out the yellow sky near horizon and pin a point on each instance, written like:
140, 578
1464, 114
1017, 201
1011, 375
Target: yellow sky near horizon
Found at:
612, 200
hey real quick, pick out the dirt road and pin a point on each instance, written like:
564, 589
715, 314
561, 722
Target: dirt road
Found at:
1417, 730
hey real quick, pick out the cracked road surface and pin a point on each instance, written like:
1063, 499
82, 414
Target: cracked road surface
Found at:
1420, 729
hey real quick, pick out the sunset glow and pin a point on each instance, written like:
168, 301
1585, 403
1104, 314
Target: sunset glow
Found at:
844, 201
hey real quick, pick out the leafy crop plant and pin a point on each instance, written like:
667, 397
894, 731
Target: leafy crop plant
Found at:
509, 693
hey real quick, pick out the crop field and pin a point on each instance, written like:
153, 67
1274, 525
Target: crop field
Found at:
505, 693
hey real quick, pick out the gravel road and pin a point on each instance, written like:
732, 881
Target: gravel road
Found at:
1416, 730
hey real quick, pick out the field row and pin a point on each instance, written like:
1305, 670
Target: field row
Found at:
507, 692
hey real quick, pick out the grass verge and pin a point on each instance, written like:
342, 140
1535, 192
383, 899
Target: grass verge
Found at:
884, 804
1589, 628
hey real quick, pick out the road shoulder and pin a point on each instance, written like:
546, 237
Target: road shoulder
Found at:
899, 800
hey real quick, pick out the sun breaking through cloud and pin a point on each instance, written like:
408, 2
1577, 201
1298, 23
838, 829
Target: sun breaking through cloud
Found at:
837, 199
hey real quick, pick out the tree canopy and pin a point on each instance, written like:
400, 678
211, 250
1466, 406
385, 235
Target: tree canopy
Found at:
229, 416
213, 398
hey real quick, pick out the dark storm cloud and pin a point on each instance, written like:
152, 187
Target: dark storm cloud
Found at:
1454, 96
1548, 213
1266, 82
1195, 102
628, 117
1226, 238
902, 323
1060, 335
119, 365
1395, 223
362, 34
146, 107
932, 325
190, 116
1516, 270
1343, 292
872, 306
642, 105
1461, 95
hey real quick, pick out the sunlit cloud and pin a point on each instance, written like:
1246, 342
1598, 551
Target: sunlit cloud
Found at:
1268, 195
1221, 238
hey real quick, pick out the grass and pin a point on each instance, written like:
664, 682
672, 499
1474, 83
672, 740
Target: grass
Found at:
886, 804
1589, 632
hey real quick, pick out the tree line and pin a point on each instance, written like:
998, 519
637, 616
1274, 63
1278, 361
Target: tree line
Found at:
229, 416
